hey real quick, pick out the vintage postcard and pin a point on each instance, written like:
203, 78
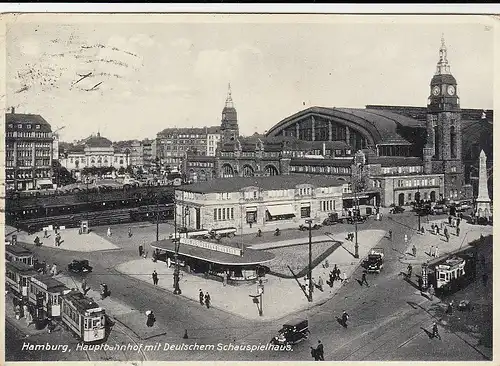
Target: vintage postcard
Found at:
248, 187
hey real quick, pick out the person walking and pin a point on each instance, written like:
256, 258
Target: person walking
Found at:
458, 231
154, 275
108, 233
334, 272
446, 234
345, 317
320, 351
141, 250
390, 234
414, 250
129, 232
431, 251
420, 283
363, 280
449, 309
202, 297
436, 251
344, 277
207, 300
320, 283
431, 292
410, 270
435, 331
150, 321
45, 233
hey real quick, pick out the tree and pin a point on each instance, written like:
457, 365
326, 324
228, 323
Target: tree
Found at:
121, 171
61, 174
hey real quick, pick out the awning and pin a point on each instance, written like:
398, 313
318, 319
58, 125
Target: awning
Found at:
278, 210
43, 181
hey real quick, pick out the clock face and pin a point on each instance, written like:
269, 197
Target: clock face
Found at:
436, 90
451, 90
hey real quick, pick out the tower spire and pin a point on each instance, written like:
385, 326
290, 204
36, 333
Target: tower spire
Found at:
442, 66
229, 99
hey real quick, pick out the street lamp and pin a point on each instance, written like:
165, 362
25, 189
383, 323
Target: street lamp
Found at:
419, 207
355, 218
310, 297
177, 290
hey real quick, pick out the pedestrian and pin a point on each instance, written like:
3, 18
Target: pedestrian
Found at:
420, 283
150, 318
155, 277
344, 277
458, 231
53, 270
390, 234
85, 287
320, 284
45, 233
435, 331
431, 292
458, 222
446, 234
436, 251
320, 351
224, 279
207, 300
129, 232
201, 297
431, 251
334, 272
414, 250
314, 354
109, 232
169, 262
363, 280
410, 270
345, 317
449, 220
449, 309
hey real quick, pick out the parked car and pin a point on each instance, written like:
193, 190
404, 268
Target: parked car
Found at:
463, 206
396, 210
79, 266
439, 209
305, 227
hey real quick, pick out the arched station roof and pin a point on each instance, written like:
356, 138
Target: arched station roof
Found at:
377, 124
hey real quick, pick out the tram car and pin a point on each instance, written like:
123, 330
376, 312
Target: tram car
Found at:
450, 270
17, 278
16, 253
50, 290
83, 316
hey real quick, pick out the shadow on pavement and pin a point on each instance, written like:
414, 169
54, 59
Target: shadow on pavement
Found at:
429, 334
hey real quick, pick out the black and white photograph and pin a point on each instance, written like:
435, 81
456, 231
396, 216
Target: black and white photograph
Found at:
248, 187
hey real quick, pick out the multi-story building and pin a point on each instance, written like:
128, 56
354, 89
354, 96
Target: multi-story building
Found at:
136, 154
95, 151
29, 151
172, 144
213, 139
251, 203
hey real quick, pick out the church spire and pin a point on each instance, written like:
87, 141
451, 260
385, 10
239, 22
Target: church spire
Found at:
229, 99
442, 66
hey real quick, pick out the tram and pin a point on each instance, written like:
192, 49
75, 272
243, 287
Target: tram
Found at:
83, 316
49, 290
16, 253
17, 278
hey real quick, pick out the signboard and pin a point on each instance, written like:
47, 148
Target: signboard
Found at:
211, 246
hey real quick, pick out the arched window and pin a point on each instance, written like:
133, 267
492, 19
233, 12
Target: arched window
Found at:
271, 170
248, 171
227, 171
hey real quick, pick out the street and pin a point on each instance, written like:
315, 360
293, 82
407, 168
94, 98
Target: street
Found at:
389, 320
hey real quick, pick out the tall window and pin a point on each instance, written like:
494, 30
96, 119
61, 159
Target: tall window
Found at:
453, 142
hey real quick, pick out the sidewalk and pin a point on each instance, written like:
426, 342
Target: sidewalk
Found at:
71, 240
423, 243
236, 300
133, 319
291, 242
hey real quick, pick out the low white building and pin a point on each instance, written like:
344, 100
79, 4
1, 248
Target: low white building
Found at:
95, 151
252, 203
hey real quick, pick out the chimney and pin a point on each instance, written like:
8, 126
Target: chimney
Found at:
12, 110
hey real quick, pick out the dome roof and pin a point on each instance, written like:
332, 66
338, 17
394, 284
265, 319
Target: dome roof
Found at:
443, 79
98, 141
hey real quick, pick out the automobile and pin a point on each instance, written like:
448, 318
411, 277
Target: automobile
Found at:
292, 332
463, 206
396, 210
79, 266
305, 227
439, 209
375, 260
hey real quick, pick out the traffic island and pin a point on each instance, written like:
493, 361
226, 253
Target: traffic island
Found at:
281, 296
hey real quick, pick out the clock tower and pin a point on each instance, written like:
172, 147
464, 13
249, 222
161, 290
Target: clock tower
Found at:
229, 124
443, 150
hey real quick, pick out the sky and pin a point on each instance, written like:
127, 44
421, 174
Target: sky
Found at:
164, 71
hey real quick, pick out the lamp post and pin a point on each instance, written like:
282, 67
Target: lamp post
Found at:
310, 299
355, 218
177, 290
419, 207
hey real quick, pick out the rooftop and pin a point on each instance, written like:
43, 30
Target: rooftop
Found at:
19, 266
80, 301
264, 183
16, 119
18, 250
50, 282
249, 257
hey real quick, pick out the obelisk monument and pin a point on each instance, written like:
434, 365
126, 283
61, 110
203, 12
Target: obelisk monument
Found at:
483, 201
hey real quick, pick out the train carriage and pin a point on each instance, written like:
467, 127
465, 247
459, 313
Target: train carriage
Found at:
50, 290
83, 316
16, 253
17, 278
